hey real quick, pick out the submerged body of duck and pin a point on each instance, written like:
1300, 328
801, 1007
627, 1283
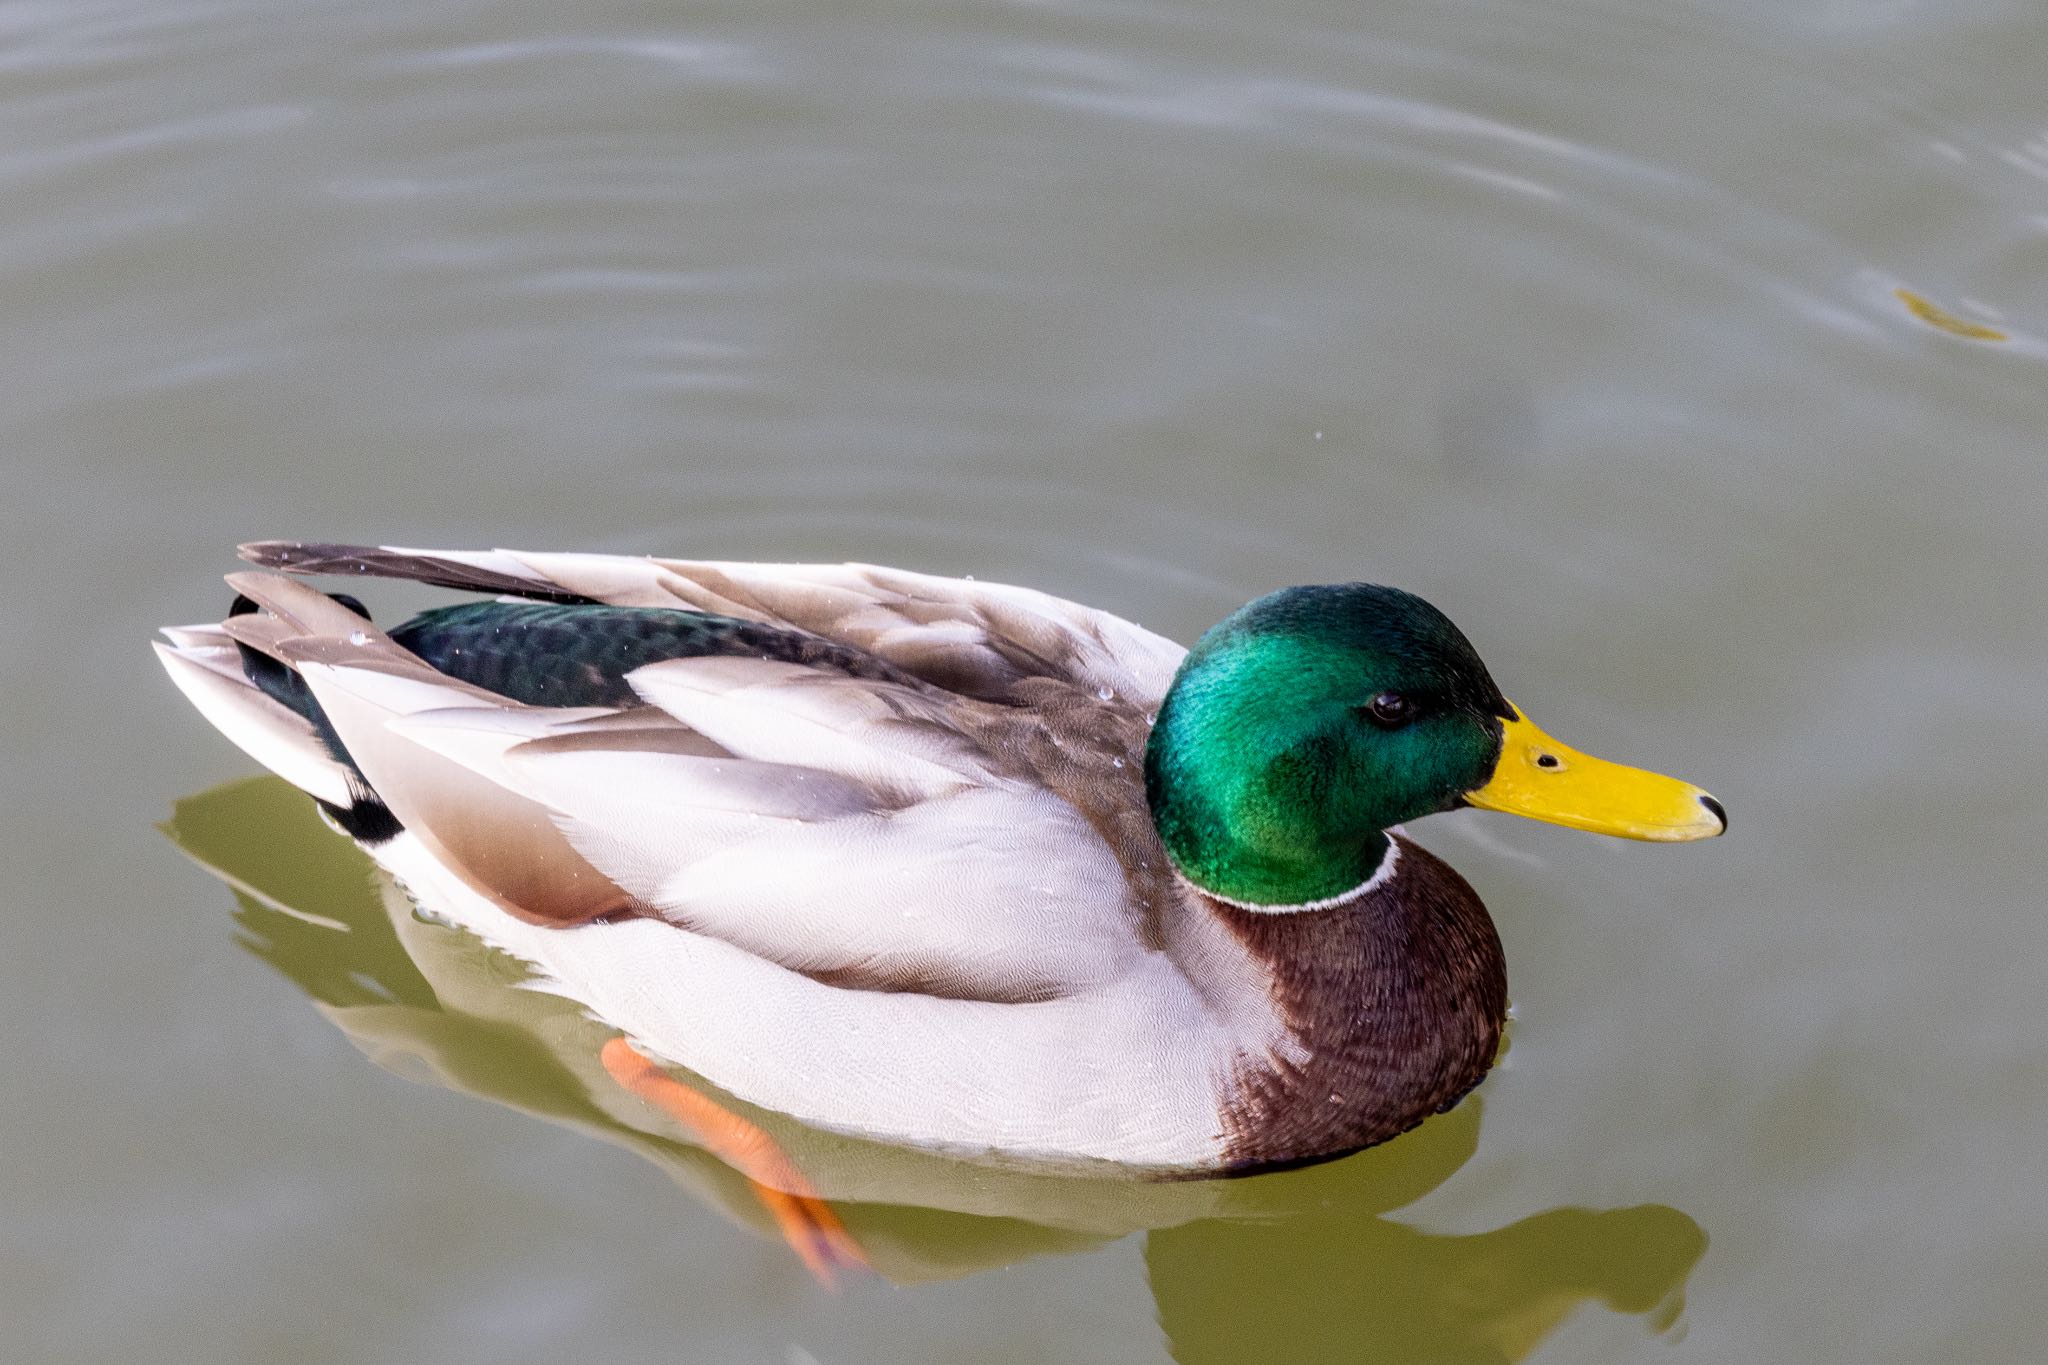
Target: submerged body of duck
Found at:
942, 863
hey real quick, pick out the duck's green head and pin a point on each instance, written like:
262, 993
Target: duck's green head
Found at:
1305, 724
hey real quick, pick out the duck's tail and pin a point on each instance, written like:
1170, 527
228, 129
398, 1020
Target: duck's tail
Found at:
238, 676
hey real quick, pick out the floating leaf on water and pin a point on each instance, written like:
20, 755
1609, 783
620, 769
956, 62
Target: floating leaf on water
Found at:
1935, 316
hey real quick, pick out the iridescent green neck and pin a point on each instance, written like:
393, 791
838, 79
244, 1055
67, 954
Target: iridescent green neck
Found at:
1245, 793
1270, 779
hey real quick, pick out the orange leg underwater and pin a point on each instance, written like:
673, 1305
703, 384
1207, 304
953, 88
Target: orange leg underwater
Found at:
808, 1224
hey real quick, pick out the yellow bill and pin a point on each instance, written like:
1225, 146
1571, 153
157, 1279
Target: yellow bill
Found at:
1545, 780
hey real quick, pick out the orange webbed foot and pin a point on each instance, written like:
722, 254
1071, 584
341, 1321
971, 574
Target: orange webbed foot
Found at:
807, 1222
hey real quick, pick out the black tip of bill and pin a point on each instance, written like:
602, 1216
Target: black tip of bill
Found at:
1719, 811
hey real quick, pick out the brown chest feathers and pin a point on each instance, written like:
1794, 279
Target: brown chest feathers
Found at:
1395, 1001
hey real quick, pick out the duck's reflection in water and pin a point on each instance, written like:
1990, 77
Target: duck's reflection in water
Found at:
1330, 1283
1301, 1265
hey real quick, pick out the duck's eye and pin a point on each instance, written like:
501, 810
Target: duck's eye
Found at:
1390, 709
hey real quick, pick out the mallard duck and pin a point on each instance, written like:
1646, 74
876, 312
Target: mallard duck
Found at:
942, 863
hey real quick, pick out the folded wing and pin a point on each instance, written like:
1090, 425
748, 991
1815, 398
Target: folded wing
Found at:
855, 830
977, 639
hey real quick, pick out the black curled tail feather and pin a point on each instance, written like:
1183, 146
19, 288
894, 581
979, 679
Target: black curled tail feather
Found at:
365, 817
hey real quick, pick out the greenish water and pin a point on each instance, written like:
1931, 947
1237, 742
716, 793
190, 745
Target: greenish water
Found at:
1584, 320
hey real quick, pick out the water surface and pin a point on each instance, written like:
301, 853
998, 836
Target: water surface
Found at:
1691, 358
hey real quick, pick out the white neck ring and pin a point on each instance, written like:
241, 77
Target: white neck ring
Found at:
1382, 874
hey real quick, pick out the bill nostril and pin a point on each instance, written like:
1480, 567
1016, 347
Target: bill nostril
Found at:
1720, 811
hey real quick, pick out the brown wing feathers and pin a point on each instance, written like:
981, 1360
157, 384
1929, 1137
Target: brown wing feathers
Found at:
377, 561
